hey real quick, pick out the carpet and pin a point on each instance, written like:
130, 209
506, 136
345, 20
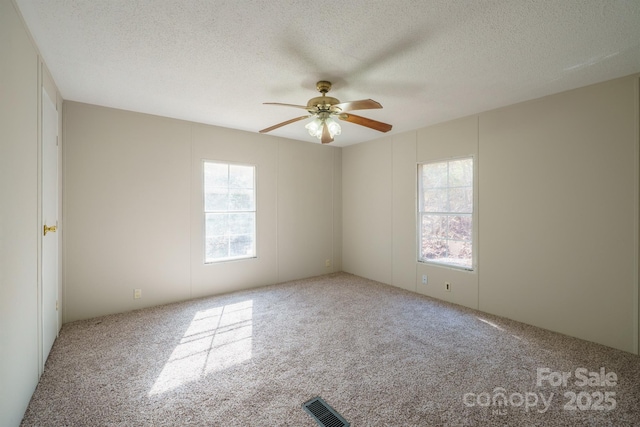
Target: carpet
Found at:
380, 356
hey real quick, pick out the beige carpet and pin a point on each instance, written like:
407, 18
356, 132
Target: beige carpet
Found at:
378, 355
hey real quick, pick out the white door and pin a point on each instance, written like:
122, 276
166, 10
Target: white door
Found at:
49, 294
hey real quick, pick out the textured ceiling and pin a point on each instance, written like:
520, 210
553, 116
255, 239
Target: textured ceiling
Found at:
425, 61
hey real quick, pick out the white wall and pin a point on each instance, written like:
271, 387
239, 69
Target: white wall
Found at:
18, 217
22, 74
126, 210
307, 209
556, 211
367, 182
133, 210
404, 194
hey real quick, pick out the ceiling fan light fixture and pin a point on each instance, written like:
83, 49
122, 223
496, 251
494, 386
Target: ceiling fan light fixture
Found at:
324, 108
316, 125
334, 127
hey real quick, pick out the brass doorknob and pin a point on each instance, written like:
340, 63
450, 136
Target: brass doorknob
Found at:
51, 229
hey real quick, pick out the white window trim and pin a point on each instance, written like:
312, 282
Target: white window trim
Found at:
474, 216
203, 212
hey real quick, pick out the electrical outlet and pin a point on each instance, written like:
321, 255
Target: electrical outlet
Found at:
424, 279
447, 286
137, 293
327, 263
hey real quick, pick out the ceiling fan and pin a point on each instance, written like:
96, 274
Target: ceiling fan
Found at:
325, 108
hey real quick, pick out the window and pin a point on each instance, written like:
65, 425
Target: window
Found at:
445, 212
229, 211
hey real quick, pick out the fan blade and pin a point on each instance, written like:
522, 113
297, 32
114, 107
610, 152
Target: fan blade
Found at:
363, 121
326, 136
363, 104
269, 129
304, 107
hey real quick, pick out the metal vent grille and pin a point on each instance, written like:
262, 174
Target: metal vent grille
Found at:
324, 414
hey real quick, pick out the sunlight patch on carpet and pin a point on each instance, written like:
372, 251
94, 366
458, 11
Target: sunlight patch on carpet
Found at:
216, 339
490, 324
496, 326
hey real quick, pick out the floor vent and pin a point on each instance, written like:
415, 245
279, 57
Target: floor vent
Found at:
324, 414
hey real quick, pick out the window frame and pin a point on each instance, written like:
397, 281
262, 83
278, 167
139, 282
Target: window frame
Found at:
473, 214
204, 213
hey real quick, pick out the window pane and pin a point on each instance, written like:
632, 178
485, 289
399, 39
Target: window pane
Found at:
242, 223
461, 173
461, 200
241, 245
240, 176
434, 226
216, 247
434, 175
216, 175
433, 249
216, 224
436, 200
459, 253
241, 200
460, 228
216, 200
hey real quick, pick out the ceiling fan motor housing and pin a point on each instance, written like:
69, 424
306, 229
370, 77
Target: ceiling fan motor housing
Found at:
322, 103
